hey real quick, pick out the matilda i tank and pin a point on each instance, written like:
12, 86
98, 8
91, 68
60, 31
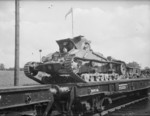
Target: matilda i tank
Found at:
75, 62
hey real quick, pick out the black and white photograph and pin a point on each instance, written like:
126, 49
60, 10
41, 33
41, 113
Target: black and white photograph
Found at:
74, 58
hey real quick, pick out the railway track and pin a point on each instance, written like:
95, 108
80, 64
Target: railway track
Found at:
111, 110
117, 108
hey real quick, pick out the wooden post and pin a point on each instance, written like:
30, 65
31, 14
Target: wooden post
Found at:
16, 73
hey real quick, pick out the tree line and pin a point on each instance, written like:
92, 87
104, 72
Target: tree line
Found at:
2, 67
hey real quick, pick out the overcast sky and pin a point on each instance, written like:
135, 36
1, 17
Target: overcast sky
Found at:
117, 29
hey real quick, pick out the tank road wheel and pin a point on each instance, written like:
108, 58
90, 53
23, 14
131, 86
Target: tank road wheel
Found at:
29, 69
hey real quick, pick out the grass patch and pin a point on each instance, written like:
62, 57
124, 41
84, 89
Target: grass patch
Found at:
7, 79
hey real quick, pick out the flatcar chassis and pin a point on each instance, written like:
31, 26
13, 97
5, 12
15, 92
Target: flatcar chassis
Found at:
67, 99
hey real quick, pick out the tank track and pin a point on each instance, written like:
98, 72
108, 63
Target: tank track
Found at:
27, 70
68, 66
31, 73
75, 76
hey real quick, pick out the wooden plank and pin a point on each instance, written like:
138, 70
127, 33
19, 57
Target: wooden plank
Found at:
23, 88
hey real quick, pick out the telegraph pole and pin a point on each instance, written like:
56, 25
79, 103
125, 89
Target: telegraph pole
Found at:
16, 73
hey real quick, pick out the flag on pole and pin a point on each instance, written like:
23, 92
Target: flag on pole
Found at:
69, 12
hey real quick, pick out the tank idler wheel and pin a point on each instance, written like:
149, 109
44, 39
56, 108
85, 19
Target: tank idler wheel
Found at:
29, 69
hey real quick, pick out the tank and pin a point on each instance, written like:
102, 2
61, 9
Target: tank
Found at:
133, 72
75, 62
